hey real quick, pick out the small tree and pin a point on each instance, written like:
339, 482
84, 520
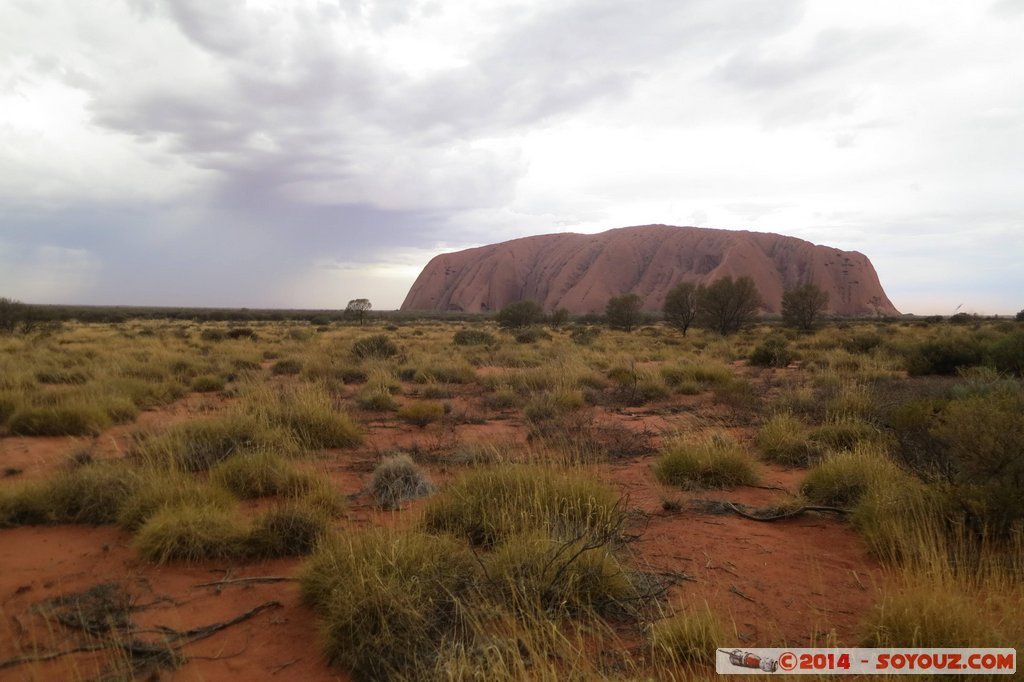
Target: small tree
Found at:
558, 318
357, 309
727, 305
1020, 316
803, 306
623, 312
681, 306
11, 313
520, 314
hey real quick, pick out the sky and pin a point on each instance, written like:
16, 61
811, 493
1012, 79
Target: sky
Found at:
302, 153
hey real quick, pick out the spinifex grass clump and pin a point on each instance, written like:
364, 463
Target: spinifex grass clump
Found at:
252, 474
925, 617
198, 445
163, 487
842, 433
90, 493
291, 529
533, 570
306, 411
58, 420
421, 413
784, 439
397, 479
192, 533
718, 462
841, 479
688, 638
388, 600
489, 505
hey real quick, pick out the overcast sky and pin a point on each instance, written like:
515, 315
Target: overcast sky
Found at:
287, 153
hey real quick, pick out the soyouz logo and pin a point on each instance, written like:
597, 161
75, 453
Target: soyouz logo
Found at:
763, 661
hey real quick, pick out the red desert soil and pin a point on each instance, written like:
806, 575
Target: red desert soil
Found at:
799, 581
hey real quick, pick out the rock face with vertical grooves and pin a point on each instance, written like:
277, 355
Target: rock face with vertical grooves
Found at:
581, 272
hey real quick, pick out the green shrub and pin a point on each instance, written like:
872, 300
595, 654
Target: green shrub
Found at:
861, 343
984, 437
489, 505
1007, 354
241, 333
772, 352
213, 335
58, 420
718, 462
253, 474
421, 413
286, 366
292, 529
944, 355
784, 440
397, 479
584, 336
473, 337
376, 346
191, 533
519, 315
387, 601
531, 335
207, 383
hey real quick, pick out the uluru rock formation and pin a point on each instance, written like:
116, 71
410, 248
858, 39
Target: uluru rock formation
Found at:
581, 272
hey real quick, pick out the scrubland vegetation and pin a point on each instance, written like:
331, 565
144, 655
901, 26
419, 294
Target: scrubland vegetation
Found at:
514, 553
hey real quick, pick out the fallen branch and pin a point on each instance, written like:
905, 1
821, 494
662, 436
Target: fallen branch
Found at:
205, 631
783, 515
735, 590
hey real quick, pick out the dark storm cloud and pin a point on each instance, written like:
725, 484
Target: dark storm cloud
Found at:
297, 126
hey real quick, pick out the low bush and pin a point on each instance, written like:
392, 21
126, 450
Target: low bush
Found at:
772, 352
292, 529
90, 493
584, 336
191, 533
207, 383
784, 440
492, 504
842, 433
421, 413
376, 346
376, 399
718, 462
943, 355
387, 601
252, 474
308, 412
473, 337
924, 617
535, 571
59, 420
688, 638
841, 479
397, 479
531, 335
286, 366
1007, 354
198, 445
25, 504
161, 488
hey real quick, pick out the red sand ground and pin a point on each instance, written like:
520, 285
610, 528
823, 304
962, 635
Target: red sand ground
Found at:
799, 581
